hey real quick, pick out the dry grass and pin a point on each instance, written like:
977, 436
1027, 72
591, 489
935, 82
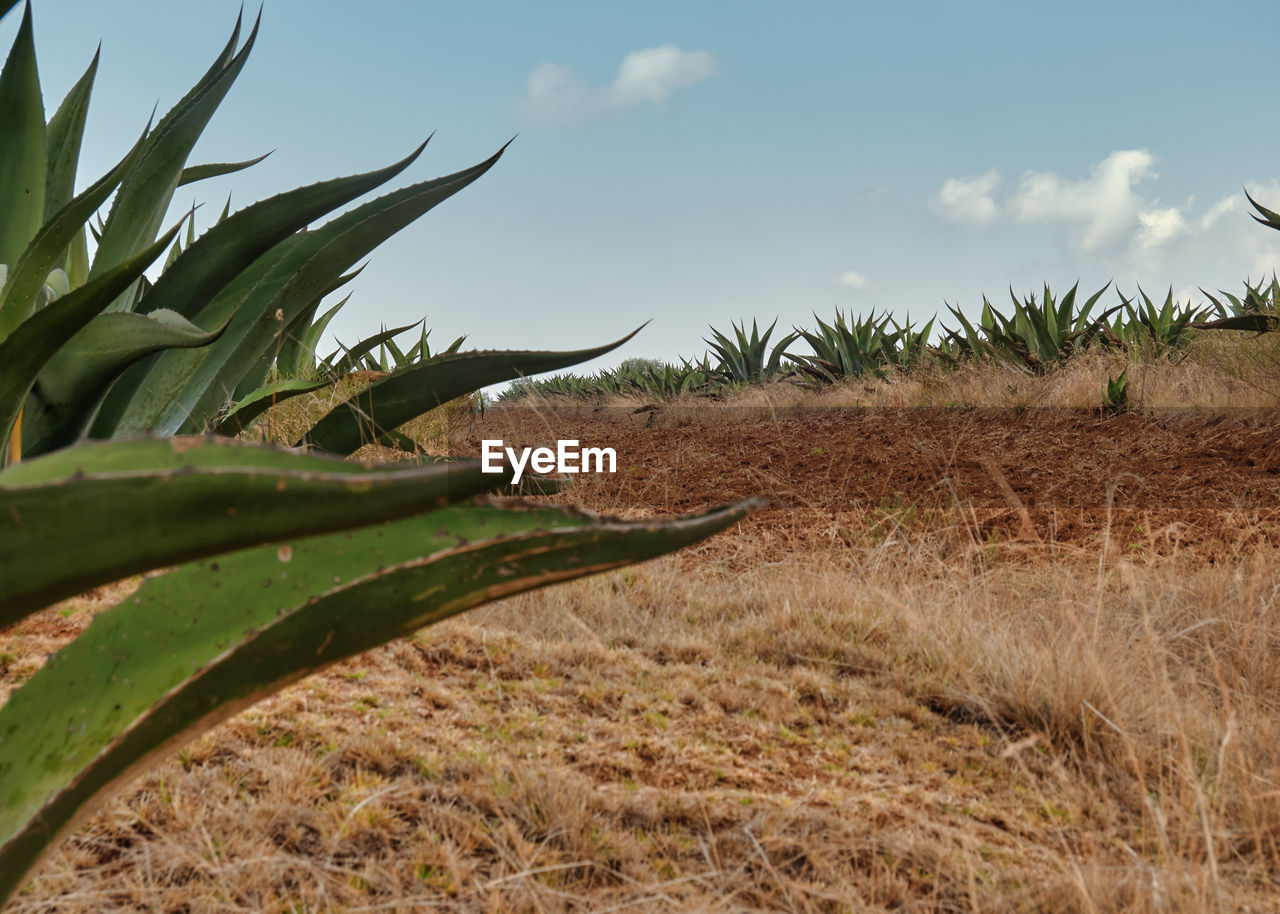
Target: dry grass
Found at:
435, 432
1222, 370
867, 728
914, 721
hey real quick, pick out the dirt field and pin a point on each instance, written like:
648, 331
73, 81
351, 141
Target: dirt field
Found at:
1051, 476
969, 660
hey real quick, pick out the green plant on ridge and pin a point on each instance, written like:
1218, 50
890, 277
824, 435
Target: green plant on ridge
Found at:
1259, 310
1034, 336
747, 360
855, 347
1115, 394
1158, 331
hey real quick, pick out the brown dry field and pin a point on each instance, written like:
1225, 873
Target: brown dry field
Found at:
969, 659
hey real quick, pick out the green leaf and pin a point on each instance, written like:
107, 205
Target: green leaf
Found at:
147, 189
24, 352
193, 173
63, 138
1258, 323
69, 388
186, 498
22, 146
220, 267
1269, 218
297, 354
189, 387
254, 404
350, 361
194, 646
409, 392
49, 245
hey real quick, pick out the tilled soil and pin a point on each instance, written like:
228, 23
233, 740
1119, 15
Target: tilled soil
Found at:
1180, 480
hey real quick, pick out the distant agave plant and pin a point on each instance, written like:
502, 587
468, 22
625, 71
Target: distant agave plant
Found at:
855, 347
1035, 335
747, 359
1259, 309
1156, 330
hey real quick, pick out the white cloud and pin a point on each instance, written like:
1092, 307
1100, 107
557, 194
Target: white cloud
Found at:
650, 75
852, 279
1158, 226
553, 93
1221, 208
969, 199
653, 74
1104, 203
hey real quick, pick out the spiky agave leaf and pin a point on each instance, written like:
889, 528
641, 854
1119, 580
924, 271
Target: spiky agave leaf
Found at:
207, 640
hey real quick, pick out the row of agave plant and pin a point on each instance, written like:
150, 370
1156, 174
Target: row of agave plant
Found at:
1032, 337
280, 561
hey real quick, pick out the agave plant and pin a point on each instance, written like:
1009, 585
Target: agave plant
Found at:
1259, 309
389, 356
286, 563
854, 347
1035, 336
666, 381
1115, 394
120, 356
279, 562
1157, 330
748, 359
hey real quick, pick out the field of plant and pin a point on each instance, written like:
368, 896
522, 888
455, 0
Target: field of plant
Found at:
872, 617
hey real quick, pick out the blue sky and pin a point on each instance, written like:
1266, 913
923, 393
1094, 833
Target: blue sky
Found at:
702, 163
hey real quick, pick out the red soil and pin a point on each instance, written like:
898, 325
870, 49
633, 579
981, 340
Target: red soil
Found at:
1178, 481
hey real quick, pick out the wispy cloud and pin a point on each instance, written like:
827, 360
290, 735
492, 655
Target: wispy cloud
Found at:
552, 93
651, 75
1226, 205
852, 280
969, 199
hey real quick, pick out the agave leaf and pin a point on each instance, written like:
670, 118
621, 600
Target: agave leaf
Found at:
257, 375
409, 392
24, 352
22, 147
47, 248
351, 361
69, 388
243, 495
266, 298
1258, 323
297, 353
196, 645
63, 137
1269, 218
6, 5
398, 358
193, 173
254, 404
147, 189
219, 267
176, 251
78, 259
